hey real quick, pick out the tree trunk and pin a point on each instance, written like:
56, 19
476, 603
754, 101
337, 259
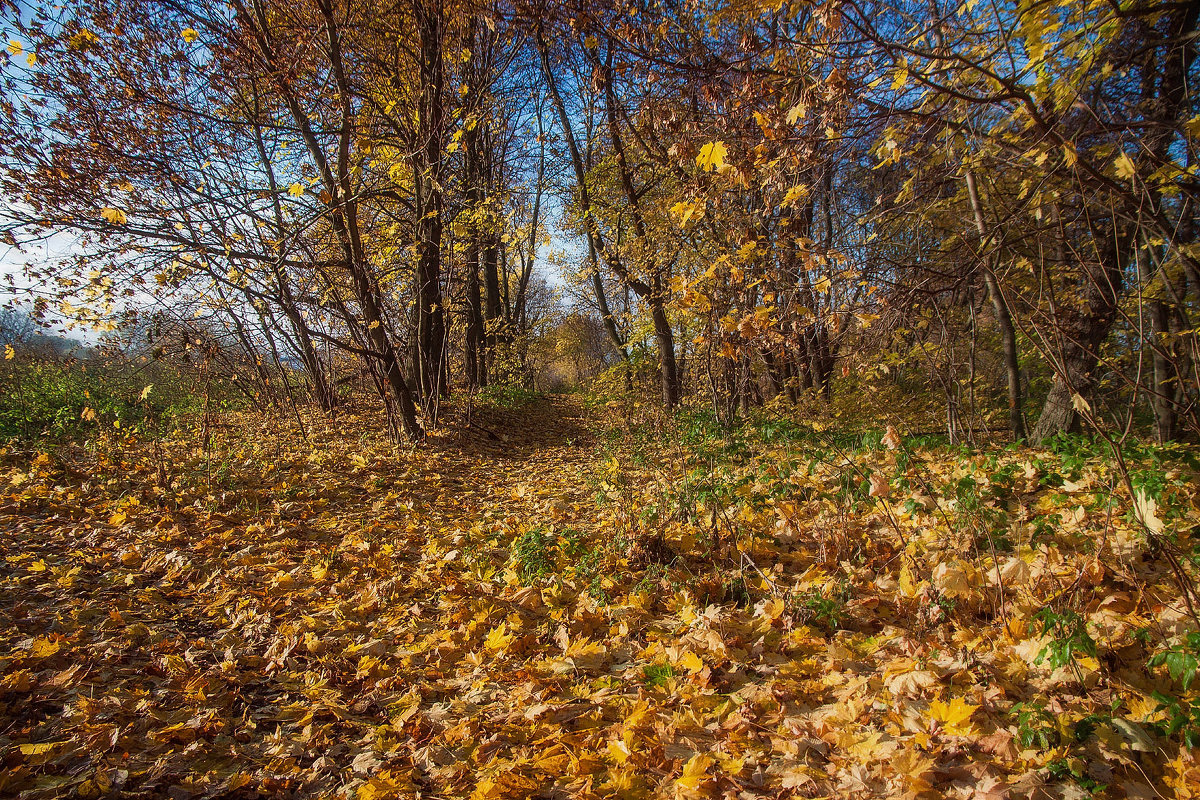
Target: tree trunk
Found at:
342, 201
610, 322
666, 349
429, 206
1004, 322
476, 366
1082, 332
1163, 390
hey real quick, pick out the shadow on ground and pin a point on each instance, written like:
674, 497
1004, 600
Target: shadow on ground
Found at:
547, 423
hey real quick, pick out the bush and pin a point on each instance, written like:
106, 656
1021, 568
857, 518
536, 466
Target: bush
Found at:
509, 396
532, 555
71, 399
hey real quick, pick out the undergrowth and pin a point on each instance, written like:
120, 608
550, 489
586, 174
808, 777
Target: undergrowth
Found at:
71, 399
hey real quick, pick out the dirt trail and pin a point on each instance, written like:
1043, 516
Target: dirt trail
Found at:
523, 467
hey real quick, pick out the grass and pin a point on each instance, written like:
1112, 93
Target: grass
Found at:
44, 399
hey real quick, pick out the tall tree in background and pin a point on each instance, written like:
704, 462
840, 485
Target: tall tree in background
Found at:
768, 200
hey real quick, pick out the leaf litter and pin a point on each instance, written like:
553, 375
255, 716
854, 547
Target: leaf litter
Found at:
528, 607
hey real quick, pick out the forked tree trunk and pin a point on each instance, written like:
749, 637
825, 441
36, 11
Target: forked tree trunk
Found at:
1081, 333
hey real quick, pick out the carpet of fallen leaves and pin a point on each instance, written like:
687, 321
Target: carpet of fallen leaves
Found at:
529, 607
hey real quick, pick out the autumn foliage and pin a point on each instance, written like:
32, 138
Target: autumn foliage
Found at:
599, 399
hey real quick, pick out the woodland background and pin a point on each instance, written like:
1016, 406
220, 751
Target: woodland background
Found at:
606, 399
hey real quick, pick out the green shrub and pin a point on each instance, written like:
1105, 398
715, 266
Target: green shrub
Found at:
532, 556
510, 396
71, 399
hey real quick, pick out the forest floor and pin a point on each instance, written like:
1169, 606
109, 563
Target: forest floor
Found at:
538, 604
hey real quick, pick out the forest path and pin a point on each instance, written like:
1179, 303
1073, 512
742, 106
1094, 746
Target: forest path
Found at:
527, 465
249, 623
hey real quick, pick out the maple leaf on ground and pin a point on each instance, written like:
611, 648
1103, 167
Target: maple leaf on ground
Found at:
904, 679
891, 439
953, 717
694, 775
43, 647
914, 767
957, 578
498, 639
1146, 508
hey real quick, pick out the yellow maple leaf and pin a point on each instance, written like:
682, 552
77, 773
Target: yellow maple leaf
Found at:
956, 578
685, 211
954, 717
189, 35
1125, 167
746, 251
618, 751
695, 772
44, 648
15, 47
9, 353
114, 215
83, 39
863, 747
730, 765
296, 190
691, 662
498, 638
712, 156
1141, 707
914, 767
386, 785
1192, 126
68, 579
794, 195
